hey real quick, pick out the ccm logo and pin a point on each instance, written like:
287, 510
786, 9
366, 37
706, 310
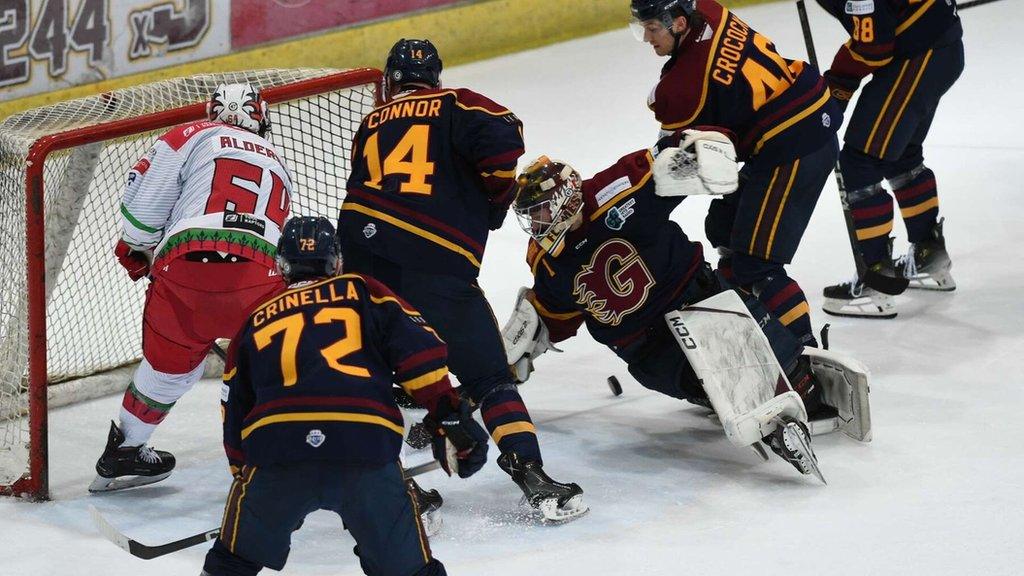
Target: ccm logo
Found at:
683, 334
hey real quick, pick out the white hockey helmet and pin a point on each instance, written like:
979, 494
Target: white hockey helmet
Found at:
239, 105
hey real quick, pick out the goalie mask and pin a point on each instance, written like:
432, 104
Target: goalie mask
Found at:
239, 105
308, 249
549, 202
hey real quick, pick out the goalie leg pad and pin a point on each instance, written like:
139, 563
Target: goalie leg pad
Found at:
844, 382
732, 357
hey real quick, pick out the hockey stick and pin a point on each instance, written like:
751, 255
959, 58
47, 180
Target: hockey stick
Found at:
972, 4
146, 552
219, 352
885, 284
140, 550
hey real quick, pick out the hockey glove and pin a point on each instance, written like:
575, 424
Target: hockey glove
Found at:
134, 261
841, 88
703, 163
460, 443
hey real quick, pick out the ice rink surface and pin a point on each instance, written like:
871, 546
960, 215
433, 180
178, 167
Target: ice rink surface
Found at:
938, 491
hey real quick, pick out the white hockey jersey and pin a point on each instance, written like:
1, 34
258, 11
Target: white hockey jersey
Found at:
207, 186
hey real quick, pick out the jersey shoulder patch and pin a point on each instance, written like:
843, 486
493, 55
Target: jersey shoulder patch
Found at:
859, 7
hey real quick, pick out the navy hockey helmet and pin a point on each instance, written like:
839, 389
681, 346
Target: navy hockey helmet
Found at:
412, 61
308, 249
664, 11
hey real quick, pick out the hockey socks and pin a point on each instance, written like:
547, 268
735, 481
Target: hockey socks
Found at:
149, 398
919, 202
508, 422
871, 208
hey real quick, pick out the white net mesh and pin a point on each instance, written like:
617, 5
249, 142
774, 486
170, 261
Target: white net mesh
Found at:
93, 310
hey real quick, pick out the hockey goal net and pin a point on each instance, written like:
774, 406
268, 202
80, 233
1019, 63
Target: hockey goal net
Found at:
70, 318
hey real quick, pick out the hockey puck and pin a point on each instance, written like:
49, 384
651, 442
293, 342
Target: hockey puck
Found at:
613, 383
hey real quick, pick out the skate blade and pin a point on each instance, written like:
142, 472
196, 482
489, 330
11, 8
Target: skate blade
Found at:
793, 436
432, 523
938, 282
101, 484
759, 448
571, 510
865, 307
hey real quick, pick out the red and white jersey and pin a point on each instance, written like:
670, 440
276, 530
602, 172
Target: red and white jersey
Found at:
207, 186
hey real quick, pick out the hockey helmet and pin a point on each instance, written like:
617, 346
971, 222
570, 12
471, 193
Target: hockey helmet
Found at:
308, 249
664, 11
412, 61
548, 202
239, 105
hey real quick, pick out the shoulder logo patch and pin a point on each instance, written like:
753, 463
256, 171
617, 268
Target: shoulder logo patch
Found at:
617, 215
611, 190
369, 230
315, 438
860, 7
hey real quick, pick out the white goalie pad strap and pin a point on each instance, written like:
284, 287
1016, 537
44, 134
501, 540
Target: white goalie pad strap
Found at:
844, 382
734, 361
704, 163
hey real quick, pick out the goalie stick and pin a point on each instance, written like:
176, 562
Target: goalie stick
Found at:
885, 284
146, 552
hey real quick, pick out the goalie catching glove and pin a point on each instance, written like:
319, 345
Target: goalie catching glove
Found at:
525, 336
459, 442
704, 163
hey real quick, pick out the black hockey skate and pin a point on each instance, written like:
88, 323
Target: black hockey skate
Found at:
119, 468
927, 264
792, 442
428, 502
856, 299
558, 502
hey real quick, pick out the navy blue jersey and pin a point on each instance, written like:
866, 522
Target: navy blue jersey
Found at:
309, 376
624, 268
432, 172
881, 30
726, 75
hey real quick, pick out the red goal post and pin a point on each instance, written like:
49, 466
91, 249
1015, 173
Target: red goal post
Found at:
71, 326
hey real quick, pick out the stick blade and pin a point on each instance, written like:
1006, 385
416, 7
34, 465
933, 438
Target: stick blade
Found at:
107, 530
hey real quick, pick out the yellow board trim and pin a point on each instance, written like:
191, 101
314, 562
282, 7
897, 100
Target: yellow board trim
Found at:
874, 231
910, 94
607, 205
794, 313
512, 428
707, 76
914, 17
425, 380
353, 207
322, 417
925, 206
